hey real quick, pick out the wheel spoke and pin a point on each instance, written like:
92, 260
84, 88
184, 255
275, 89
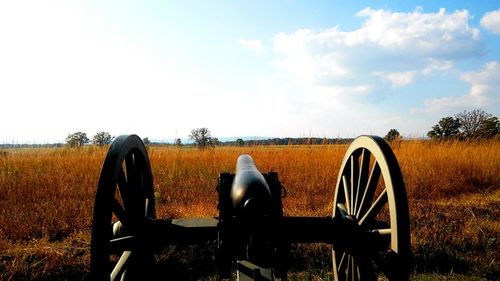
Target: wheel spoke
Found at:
122, 183
120, 265
369, 191
118, 211
358, 272
384, 231
353, 269
342, 259
134, 206
146, 207
141, 181
347, 270
346, 193
350, 269
133, 174
343, 210
131, 169
122, 187
338, 264
375, 208
363, 177
354, 178
122, 243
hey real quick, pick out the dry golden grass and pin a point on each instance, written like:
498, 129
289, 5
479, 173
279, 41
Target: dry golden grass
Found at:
46, 199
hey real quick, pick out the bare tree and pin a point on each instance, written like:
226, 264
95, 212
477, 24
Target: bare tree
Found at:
202, 137
471, 122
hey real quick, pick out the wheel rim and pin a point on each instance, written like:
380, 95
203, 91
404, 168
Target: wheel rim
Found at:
124, 200
370, 192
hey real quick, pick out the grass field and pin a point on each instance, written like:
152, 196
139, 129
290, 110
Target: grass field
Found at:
46, 201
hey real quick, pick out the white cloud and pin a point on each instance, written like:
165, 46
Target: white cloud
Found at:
397, 79
386, 42
484, 91
437, 65
491, 21
333, 65
298, 57
254, 45
485, 84
431, 33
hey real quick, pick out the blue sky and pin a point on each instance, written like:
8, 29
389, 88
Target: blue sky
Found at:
243, 68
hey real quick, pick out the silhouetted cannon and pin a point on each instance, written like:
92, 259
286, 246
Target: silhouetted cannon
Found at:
369, 227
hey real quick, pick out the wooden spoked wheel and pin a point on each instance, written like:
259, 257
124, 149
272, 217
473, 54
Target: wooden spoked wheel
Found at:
124, 200
371, 195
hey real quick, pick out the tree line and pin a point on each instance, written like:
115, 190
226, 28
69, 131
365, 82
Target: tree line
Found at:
79, 139
475, 124
203, 138
466, 125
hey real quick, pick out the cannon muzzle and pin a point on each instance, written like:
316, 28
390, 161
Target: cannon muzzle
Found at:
250, 192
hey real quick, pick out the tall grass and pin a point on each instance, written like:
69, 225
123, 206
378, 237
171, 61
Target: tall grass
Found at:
46, 198
445, 169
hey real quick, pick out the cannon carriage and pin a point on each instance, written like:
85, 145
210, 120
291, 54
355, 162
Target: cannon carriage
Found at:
368, 230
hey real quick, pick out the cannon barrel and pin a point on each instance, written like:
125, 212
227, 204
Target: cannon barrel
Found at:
249, 192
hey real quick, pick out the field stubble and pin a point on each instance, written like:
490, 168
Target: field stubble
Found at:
46, 201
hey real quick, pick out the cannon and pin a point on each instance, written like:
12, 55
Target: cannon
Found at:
368, 229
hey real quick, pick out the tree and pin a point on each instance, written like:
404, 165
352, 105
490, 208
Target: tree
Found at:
146, 141
201, 136
102, 138
393, 134
490, 128
471, 122
178, 142
447, 127
77, 139
214, 141
240, 142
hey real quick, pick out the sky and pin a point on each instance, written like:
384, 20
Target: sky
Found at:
243, 68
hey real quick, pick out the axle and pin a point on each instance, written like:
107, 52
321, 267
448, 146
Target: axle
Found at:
339, 232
